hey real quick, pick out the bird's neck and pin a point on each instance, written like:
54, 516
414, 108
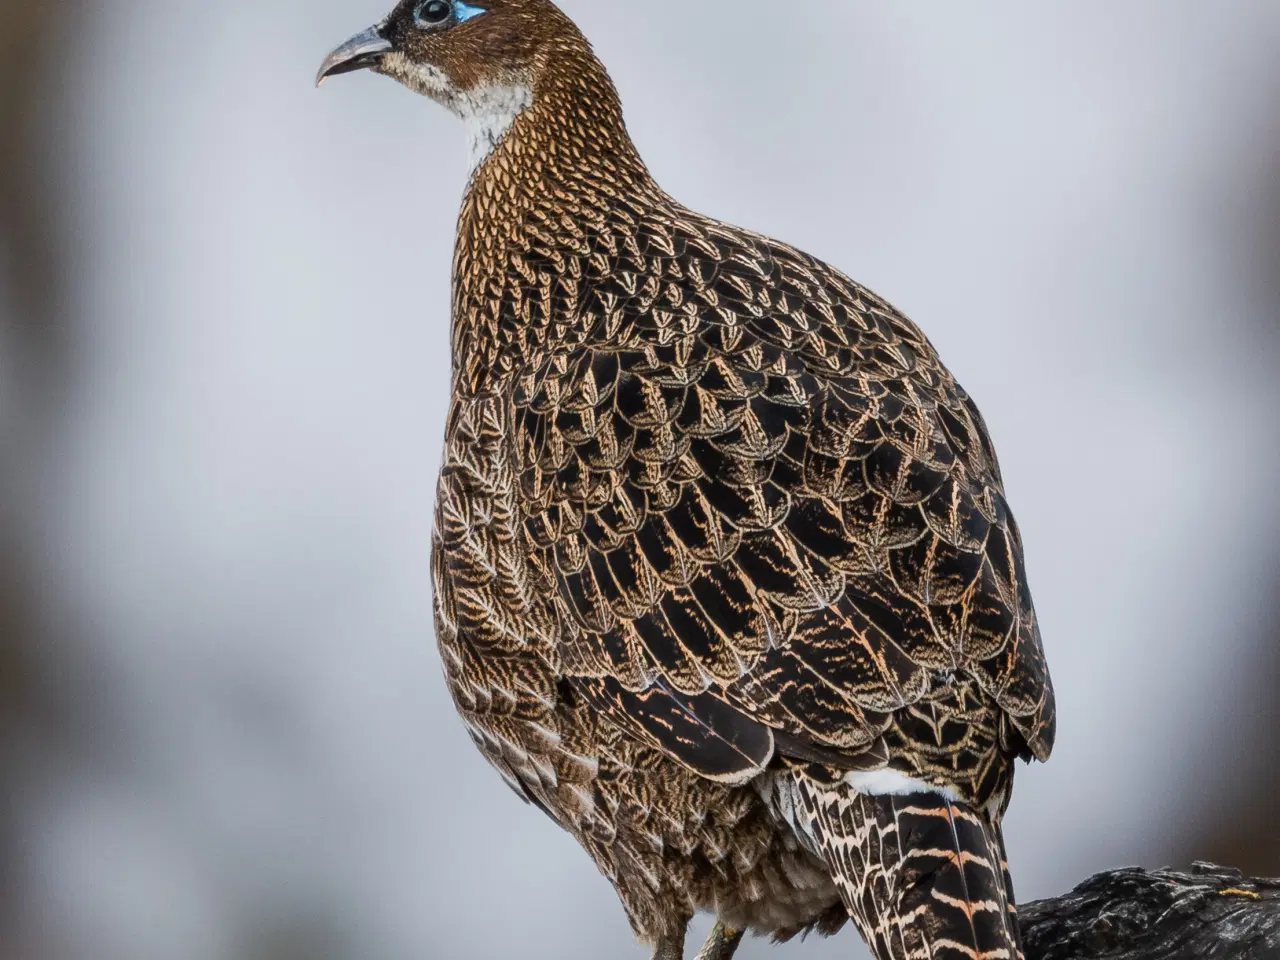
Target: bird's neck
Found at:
560, 127
555, 176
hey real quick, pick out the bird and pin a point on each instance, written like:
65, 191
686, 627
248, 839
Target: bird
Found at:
725, 578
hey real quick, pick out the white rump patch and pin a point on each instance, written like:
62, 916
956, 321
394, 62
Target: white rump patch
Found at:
891, 783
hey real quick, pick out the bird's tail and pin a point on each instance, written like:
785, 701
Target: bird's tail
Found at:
923, 877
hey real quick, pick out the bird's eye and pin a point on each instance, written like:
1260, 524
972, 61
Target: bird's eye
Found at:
432, 13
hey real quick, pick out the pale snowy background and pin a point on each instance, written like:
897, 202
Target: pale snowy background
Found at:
244, 749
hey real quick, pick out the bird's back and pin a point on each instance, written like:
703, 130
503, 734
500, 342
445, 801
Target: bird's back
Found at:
750, 482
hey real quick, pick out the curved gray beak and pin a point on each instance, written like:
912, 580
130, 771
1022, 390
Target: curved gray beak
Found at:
362, 51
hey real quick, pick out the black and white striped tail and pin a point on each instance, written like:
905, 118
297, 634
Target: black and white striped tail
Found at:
923, 877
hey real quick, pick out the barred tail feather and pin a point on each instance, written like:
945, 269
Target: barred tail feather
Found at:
1010, 901
923, 877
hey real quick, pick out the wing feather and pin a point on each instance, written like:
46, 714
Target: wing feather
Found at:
766, 506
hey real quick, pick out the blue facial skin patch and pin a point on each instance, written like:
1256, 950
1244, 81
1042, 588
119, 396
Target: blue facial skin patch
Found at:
465, 11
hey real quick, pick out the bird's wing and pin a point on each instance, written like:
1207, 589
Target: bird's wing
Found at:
773, 519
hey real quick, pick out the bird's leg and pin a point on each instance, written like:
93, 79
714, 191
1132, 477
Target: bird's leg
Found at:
722, 944
670, 948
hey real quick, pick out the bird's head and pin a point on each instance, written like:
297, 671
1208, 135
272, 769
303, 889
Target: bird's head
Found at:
485, 60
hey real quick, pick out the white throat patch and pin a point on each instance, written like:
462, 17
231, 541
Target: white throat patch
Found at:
487, 111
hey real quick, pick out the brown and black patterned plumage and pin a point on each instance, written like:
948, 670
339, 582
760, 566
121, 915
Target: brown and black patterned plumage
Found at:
726, 582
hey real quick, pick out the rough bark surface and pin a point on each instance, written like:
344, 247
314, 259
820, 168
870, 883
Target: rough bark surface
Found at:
1211, 913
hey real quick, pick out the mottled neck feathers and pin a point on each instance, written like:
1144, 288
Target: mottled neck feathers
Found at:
557, 190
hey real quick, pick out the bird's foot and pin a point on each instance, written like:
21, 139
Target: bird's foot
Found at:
722, 944
670, 948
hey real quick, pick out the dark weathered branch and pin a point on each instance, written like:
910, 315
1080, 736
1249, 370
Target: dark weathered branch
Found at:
1211, 913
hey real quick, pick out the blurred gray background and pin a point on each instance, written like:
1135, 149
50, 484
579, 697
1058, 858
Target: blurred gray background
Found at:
223, 372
